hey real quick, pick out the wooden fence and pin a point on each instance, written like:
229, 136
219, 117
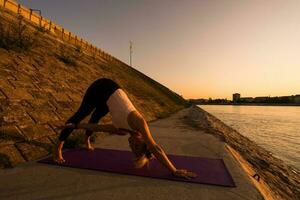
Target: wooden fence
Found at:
56, 30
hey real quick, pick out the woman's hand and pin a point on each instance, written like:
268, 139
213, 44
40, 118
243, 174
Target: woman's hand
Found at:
182, 173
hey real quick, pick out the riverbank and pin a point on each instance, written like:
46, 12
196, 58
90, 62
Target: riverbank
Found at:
275, 128
281, 179
38, 181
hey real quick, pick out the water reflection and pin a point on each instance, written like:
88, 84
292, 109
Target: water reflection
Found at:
276, 128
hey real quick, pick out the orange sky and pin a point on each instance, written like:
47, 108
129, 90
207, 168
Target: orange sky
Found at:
199, 49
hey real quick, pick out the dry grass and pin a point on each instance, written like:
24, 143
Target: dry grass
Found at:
68, 56
16, 35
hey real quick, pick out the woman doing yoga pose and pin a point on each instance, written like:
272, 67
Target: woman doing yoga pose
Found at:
103, 96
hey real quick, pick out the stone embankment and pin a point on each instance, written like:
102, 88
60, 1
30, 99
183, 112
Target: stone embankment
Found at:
42, 85
282, 180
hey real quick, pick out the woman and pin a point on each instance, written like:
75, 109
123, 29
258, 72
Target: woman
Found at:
103, 96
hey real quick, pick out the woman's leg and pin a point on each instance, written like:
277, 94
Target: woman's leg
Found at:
84, 110
100, 112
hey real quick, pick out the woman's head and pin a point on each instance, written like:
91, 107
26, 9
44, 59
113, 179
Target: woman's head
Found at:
139, 148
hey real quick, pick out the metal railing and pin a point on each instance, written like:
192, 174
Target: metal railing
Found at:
54, 29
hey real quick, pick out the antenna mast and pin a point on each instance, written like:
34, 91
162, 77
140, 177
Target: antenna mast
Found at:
130, 49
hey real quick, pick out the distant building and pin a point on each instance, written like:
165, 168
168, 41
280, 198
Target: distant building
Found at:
261, 99
198, 101
297, 98
246, 99
236, 97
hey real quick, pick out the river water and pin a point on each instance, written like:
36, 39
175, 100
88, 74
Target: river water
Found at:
276, 128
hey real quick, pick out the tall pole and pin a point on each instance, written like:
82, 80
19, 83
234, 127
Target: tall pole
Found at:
130, 49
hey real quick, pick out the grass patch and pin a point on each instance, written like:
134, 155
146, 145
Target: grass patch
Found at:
67, 59
70, 56
16, 35
67, 56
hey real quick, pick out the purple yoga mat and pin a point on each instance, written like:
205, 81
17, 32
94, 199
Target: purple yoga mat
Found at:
210, 171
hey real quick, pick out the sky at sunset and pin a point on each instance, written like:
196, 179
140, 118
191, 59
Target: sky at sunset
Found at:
199, 49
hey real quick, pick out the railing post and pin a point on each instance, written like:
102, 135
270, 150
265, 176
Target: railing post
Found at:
41, 18
62, 33
19, 9
75, 39
4, 3
69, 36
30, 14
81, 42
50, 25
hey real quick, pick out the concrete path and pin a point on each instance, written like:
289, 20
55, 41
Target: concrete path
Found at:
38, 181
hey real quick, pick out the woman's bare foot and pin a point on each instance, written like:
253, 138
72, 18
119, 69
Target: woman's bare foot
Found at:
88, 144
58, 158
57, 153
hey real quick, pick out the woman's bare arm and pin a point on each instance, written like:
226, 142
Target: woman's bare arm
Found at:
137, 122
156, 149
163, 158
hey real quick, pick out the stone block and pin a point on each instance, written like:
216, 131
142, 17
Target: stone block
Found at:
61, 86
64, 114
44, 84
25, 104
75, 96
39, 94
80, 86
23, 77
56, 126
26, 69
5, 85
10, 156
4, 57
41, 103
17, 94
60, 96
6, 142
45, 142
16, 115
35, 131
4, 72
23, 84
4, 104
2, 95
43, 115
12, 133
64, 105
34, 149
53, 139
